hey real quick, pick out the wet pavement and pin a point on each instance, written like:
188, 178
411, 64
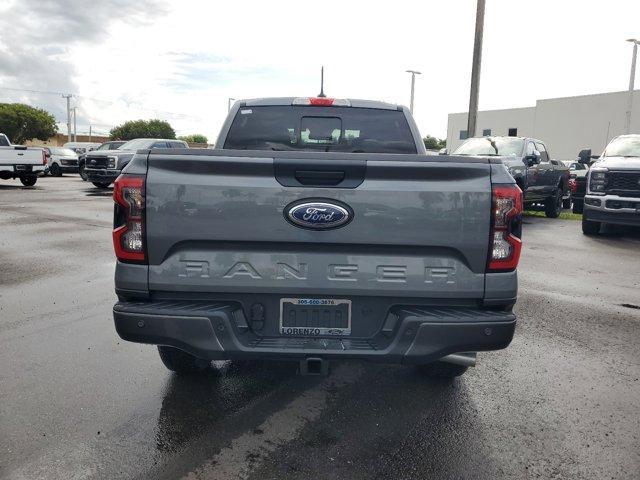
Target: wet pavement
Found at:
563, 401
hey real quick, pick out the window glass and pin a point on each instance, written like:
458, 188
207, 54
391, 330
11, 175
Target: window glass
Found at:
544, 156
320, 131
159, 145
137, 144
331, 129
530, 148
464, 135
486, 132
492, 146
513, 132
624, 147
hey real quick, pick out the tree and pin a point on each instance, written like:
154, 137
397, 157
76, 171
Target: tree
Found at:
194, 138
433, 143
21, 122
142, 129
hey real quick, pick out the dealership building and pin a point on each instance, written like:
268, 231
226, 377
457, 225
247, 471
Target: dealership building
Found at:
566, 125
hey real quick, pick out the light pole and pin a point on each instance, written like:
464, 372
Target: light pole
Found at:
631, 82
229, 100
475, 71
75, 124
413, 86
68, 97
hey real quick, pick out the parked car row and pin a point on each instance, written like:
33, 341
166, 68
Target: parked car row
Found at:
98, 163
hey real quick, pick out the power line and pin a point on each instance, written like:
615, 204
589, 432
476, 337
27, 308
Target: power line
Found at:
110, 102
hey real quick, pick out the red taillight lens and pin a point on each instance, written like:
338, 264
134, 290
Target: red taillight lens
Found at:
573, 185
44, 157
321, 101
506, 229
128, 223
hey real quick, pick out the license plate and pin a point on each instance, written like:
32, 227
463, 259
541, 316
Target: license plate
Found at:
312, 317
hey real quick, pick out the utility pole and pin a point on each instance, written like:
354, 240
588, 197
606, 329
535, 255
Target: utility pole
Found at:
75, 124
413, 86
68, 97
475, 71
631, 84
229, 100
90, 132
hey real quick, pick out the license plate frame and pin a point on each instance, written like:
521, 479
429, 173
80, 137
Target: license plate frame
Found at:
314, 330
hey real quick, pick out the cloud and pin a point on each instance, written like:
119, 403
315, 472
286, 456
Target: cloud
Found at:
36, 37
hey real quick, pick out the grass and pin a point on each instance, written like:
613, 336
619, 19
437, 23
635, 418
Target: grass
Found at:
568, 215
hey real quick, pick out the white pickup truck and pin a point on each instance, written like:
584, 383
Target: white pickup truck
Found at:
17, 161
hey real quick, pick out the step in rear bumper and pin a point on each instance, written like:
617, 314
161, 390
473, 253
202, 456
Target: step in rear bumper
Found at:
218, 331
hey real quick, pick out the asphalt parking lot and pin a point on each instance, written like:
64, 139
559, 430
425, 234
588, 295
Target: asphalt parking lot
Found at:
563, 401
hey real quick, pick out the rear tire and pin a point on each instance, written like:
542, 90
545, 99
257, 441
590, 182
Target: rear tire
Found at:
590, 228
566, 203
442, 370
553, 205
55, 170
181, 362
102, 184
29, 180
83, 175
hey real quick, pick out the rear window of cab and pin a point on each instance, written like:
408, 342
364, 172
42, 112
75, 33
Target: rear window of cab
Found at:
329, 129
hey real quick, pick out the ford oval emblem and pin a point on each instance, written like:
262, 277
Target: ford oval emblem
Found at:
318, 214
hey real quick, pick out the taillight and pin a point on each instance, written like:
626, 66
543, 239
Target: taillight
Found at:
573, 185
506, 228
44, 157
128, 218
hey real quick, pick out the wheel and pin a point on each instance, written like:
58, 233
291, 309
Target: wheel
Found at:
442, 370
83, 175
102, 184
589, 227
566, 203
553, 205
577, 207
29, 180
181, 362
55, 170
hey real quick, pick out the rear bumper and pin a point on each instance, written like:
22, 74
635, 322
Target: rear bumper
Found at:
101, 175
219, 331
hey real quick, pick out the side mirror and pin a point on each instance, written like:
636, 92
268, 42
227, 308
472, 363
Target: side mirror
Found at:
533, 159
584, 156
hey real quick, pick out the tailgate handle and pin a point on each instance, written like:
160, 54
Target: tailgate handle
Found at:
315, 177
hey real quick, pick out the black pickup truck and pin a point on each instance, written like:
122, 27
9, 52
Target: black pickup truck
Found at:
542, 179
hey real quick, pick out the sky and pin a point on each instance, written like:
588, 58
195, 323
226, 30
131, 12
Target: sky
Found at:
180, 61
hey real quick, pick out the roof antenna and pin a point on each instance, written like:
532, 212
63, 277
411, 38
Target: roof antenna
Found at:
321, 94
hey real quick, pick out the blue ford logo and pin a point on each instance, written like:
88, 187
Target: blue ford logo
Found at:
318, 215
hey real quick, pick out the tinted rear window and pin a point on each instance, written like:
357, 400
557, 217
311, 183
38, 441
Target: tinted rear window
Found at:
328, 129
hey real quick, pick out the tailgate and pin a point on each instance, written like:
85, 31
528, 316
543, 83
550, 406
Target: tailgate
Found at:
19, 155
216, 223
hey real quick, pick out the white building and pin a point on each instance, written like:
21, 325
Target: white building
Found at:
567, 125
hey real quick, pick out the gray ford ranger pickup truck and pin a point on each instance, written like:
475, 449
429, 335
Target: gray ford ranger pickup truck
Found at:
318, 229
613, 186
